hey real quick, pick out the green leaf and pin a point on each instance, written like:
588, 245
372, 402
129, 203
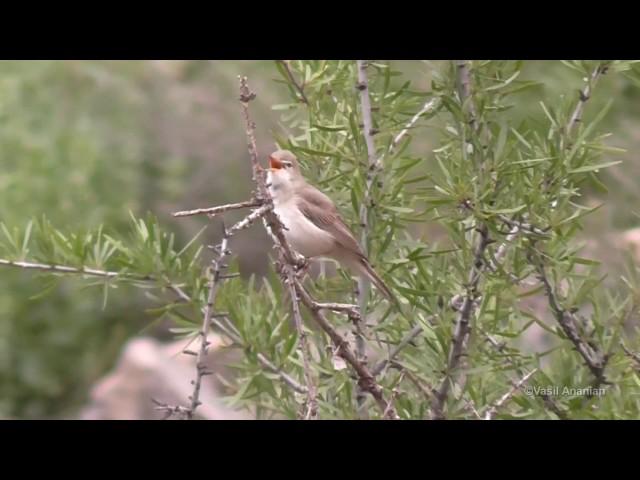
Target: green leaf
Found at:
284, 106
593, 168
506, 210
398, 209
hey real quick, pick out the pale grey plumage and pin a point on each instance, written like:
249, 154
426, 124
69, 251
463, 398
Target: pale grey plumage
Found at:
315, 228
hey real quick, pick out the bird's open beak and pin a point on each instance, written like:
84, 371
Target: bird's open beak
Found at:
275, 164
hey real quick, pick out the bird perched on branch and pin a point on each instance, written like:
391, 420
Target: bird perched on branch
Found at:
314, 227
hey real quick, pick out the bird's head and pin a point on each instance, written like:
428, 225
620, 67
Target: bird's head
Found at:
284, 167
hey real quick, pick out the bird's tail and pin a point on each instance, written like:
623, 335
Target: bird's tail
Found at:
371, 274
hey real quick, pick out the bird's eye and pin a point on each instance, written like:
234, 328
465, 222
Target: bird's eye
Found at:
286, 164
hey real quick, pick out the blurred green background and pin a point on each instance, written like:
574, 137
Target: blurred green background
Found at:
87, 142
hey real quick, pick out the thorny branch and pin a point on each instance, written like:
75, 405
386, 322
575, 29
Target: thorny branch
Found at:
365, 380
218, 266
463, 327
212, 211
374, 164
275, 228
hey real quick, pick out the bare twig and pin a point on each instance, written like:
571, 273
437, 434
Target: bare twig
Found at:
218, 266
292, 79
246, 96
428, 106
212, 211
250, 219
491, 411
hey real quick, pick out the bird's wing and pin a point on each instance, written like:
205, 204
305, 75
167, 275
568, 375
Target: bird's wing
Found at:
321, 211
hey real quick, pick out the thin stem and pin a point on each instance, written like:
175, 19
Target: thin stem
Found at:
428, 106
292, 79
212, 211
585, 95
491, 411
406, 340
75, 270
214, 285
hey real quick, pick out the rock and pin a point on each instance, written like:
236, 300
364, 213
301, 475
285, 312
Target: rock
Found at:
151, 369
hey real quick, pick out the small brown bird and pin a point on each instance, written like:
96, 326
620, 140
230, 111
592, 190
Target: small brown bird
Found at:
314, 225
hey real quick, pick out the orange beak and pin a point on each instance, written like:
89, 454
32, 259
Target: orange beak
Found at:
275, 164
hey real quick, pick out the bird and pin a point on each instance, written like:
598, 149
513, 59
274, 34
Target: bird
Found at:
314, 226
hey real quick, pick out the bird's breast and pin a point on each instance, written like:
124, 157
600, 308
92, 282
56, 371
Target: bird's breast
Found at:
303, 235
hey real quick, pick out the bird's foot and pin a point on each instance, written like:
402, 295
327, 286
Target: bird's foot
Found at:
302, 268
